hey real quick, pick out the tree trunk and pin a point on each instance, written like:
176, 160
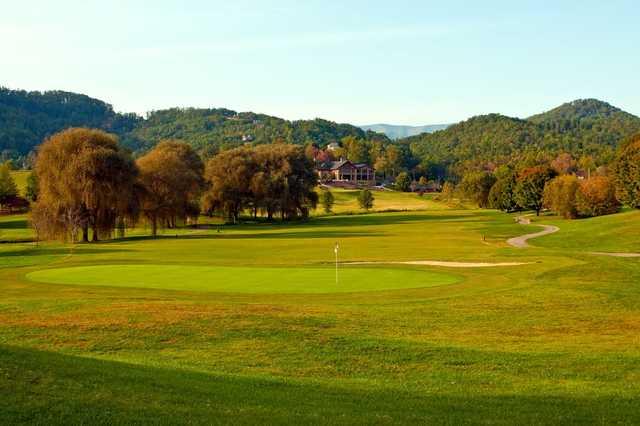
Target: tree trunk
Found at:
85, 233
95, 238
154, 226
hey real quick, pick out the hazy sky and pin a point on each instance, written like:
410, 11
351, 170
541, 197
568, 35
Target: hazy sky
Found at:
402, 62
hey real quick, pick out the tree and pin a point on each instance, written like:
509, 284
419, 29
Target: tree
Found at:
8, 188
564, 164
476, 186
171, 177
403, 182
596, 197
355, 149
268, 178
626, 172
366, 199
327, 201
560, 196
501, 195
229, 175
448, 190
530, 187
31, 191
86, 181
393, 160
292, 180
587, 164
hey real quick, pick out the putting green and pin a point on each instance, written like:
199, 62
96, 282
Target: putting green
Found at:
245, 279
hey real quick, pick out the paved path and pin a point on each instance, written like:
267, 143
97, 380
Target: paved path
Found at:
521, 241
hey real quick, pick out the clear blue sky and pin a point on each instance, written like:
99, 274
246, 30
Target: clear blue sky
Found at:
402, 62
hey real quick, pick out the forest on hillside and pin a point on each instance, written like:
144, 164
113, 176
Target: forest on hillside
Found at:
583, 128
28, 118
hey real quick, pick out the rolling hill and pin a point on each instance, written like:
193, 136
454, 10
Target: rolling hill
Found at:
582, 127
27, 118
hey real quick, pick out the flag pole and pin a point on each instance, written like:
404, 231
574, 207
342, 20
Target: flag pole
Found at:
336, 252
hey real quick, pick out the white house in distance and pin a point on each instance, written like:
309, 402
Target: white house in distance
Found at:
344, 171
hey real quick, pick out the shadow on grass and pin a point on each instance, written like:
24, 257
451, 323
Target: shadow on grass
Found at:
373, 219
50, 388
61, 251
14, 224
225, 235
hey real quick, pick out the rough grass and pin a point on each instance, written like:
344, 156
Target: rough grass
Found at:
555, 341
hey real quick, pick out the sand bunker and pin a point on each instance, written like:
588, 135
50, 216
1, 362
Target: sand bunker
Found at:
443, 263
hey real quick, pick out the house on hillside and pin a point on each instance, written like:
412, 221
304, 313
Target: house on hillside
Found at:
333, 146
344, 171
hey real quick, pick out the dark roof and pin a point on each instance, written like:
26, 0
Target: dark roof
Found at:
335, 165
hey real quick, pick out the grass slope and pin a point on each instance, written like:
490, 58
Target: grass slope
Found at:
554, 341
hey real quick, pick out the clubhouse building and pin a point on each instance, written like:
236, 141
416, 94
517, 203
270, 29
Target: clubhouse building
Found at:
344, 171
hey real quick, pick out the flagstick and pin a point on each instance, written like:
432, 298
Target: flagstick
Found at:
336, 251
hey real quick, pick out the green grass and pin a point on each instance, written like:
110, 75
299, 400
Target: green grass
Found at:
551, 342
244, 280
15, 228
346, 201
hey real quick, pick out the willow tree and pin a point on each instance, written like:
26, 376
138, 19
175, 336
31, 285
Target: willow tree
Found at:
171, 176
272, 179
231, 189
86, 181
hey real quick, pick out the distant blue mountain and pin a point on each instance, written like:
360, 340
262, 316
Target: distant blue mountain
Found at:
399, 132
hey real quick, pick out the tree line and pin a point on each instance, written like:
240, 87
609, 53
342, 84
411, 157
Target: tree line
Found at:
89, 186
568, 187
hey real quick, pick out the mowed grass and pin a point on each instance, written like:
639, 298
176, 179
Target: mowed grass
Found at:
554, 341
346, 201
244, 280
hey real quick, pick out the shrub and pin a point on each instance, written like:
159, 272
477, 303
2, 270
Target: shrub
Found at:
403, 182
327, 201
365, 199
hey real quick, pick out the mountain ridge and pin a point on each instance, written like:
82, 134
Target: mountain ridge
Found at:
397, 131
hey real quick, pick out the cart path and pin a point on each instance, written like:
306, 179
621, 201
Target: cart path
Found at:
521, 241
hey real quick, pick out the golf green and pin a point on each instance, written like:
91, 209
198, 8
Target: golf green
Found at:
245, 279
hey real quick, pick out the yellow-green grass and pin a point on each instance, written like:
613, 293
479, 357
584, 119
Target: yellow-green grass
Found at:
553, 341
20, 177
15, 228
236, 279
346, 201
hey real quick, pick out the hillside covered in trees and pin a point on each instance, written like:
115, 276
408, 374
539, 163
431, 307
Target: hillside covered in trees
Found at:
27, 118
581, 128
